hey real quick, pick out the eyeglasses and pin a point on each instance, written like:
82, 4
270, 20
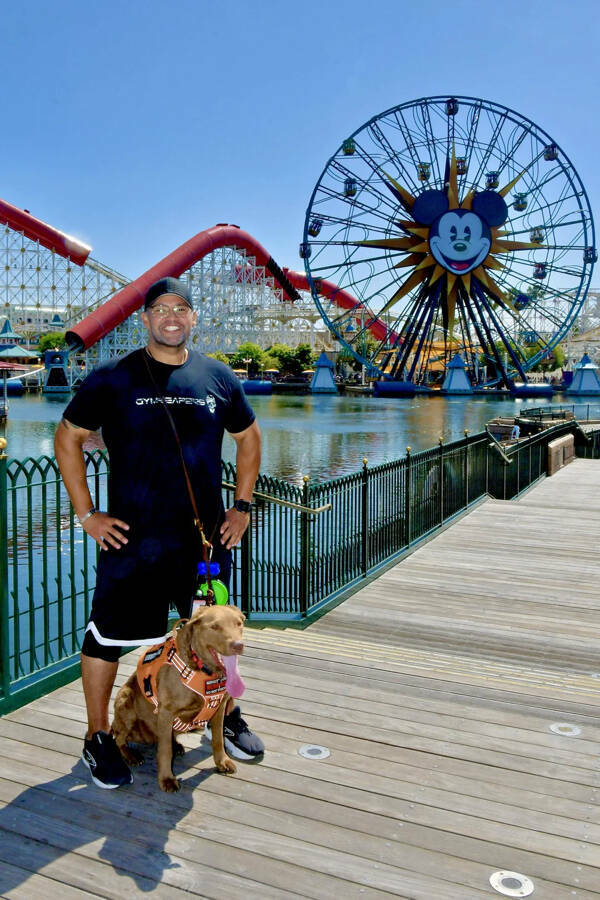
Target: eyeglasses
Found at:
160, 309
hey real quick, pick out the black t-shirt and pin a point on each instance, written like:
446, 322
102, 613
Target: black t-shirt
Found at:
146, 486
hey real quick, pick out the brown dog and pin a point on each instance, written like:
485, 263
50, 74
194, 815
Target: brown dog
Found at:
212, 632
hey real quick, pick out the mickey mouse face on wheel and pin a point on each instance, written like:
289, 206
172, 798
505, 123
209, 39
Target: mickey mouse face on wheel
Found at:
460, 239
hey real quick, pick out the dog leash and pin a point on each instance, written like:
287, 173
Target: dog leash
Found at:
206, 544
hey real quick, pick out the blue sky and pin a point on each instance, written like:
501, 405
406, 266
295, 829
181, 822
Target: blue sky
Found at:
136, 125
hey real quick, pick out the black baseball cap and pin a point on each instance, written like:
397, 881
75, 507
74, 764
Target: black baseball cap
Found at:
168, 286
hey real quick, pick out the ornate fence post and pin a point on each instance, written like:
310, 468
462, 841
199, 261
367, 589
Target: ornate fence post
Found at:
4, 645
246, 571
441, 479
407, 498
466, 472
365, 518
304, 573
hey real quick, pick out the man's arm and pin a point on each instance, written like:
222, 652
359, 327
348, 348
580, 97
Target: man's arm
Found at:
68, 448
247, 462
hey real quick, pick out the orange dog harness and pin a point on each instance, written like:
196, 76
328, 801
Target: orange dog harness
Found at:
210, 686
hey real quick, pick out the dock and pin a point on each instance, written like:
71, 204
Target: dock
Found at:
456, 699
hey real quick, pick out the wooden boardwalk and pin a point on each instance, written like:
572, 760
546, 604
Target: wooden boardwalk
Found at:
434, 689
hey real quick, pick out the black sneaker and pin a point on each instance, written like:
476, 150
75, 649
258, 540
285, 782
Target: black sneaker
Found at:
240, 742
103, 758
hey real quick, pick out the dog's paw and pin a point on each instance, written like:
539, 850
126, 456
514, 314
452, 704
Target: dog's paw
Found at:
226, 766
131, 757
178, 749
170, 785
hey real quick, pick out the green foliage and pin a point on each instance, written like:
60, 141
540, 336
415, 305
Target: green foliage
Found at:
245, 351
304, 356
282, 354
287, 360
270, 362
220, 356
560, 357
53, 340
251, 352
554, 359
291, 361
367, 346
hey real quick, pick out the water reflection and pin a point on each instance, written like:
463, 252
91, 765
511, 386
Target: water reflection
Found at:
305, 435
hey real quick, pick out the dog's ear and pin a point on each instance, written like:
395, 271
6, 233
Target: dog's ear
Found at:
184, 643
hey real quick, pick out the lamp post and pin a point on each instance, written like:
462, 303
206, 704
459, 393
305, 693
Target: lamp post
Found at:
247, 360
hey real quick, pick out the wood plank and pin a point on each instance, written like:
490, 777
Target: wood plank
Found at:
361, 700
364, 843
222, 845
424, 763
574, 752
246, 804
202, 867
27, 884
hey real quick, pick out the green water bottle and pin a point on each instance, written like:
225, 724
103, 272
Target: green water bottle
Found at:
221, 594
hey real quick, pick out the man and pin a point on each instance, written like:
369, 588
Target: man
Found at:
150, 545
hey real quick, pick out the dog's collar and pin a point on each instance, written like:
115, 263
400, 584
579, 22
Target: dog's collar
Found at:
198, 662
195, 658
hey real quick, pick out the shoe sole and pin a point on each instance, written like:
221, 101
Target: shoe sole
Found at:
102, 784
231, 748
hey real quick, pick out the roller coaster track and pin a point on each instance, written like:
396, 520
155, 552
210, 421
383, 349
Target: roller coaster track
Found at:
119, 307
107, 313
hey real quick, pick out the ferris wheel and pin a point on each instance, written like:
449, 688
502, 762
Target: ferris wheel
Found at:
459, 227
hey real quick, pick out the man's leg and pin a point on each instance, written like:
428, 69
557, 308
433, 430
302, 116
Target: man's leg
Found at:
101, 755
98, 677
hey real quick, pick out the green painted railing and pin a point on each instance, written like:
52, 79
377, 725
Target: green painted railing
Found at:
306, 547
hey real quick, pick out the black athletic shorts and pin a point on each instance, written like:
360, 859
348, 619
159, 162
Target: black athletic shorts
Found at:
111, 652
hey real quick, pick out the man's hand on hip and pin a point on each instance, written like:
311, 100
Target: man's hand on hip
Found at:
106, 530
233, 528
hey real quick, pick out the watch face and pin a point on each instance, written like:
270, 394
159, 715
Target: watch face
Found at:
242, 506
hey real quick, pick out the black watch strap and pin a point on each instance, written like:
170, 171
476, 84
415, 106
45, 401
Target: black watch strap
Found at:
242, 506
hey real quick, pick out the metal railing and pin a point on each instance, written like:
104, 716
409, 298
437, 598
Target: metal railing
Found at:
582, 411
306, 545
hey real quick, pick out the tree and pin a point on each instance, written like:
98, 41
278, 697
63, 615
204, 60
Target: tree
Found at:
270, 362
304, 356
52, 340
249, 351
553, 359
292, 361
284, 357
367, 346
560, 357
220, 356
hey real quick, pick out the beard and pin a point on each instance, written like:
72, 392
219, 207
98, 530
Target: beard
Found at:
164, 343
178, 339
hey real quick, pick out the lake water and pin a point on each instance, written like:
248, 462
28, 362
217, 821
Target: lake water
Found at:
319, 436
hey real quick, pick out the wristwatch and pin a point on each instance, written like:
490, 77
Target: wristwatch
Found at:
89, 513
242, 506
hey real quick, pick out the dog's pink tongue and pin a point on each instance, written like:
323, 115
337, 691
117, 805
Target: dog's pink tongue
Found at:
235, 683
